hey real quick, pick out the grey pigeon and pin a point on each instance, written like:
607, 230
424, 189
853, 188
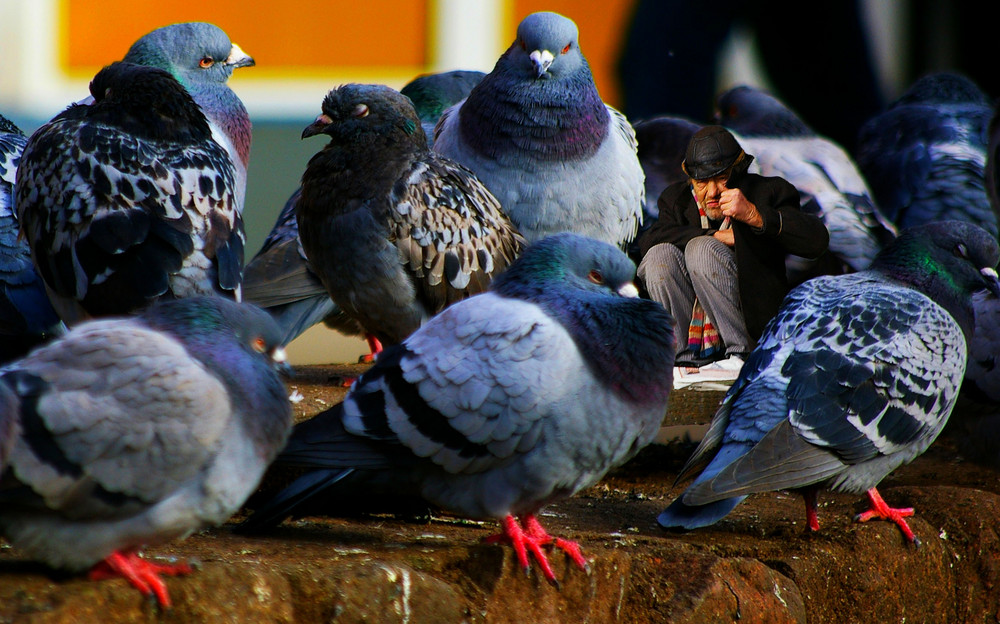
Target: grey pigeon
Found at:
26, 315
130, 199
855, 376
137, 431
992, 168
202, 58
536, 132
827, 178
394, 231
434, 93
504, 402
925, 156
279, 279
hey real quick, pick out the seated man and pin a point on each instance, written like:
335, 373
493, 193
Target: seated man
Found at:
721, 241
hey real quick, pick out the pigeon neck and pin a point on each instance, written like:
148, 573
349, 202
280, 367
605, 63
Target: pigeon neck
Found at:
551, 119
225, 111
928, 276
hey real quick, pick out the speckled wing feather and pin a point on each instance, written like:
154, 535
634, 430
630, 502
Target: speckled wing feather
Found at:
85, 451
450, 231
115, 220
868, 373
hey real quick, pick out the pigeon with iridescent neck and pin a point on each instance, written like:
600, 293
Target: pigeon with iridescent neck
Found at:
130, 199
202, 58
504, 402
855, 376
538, 135
137, 431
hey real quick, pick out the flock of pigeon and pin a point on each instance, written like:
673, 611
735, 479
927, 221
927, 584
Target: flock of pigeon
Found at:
476, 229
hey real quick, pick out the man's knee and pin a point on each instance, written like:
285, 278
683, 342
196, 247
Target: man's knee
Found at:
661, 260
707, 255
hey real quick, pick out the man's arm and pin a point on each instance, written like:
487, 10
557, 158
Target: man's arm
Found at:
781, 219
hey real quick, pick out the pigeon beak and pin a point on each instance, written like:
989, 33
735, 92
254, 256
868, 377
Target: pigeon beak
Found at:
541, 59
629, 290
239, 58
317, 127
279, 360
992, 283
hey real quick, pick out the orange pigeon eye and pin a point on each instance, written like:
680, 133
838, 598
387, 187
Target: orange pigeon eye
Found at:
566, 49
361, 110
595, 276
206, 62
259, 345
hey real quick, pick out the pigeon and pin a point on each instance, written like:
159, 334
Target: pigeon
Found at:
537, 134
141, 430
202, 58
504, 402
828, 180
394, 231
279, 279
855, 376
432, 94
662, 142
129, 199
992, 168
26, 316
925, 156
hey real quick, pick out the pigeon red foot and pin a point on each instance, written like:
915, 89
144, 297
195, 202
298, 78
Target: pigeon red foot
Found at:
141, 574
881, 510
530, 536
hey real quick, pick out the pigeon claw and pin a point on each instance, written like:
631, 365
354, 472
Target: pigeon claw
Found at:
141, 574
882, 511
529, 537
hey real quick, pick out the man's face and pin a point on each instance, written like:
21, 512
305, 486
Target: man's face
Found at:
707, 193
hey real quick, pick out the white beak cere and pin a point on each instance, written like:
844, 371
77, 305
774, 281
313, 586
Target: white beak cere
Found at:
542, 59
629, 290
239, 58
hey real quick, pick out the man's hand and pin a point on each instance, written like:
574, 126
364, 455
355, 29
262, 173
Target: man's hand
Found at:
725, 236
734, 204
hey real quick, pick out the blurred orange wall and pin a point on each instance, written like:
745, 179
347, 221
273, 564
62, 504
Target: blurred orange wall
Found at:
299, 38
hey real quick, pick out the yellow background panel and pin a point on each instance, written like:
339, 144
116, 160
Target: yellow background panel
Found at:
286, 37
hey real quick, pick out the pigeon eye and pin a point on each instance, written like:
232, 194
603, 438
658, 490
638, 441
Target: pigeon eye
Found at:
566, 49
259, 345
360, 111
595, 276
961, 250
206, 62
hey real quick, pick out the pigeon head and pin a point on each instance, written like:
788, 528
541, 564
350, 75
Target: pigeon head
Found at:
147, 102
366, 112
546, 46
753, 112
431, 94
206, 324
194, 52
943, 88
568, 260
946, 260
